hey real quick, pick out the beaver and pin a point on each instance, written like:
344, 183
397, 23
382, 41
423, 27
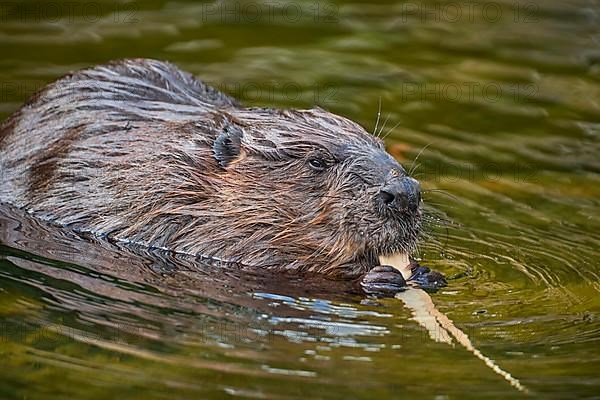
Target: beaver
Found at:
138, 151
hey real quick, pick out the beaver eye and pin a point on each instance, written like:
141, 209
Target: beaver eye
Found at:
317, 164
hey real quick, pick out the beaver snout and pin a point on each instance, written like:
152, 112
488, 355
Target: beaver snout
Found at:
401, 194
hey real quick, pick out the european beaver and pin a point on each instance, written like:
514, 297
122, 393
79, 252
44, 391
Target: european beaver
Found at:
140, 151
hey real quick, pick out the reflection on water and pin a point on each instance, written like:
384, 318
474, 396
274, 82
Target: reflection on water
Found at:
505, 98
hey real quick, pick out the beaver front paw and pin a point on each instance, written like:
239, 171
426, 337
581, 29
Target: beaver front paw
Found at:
426, 278
383, 281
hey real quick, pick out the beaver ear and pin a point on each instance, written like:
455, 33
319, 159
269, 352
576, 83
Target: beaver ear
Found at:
228, 145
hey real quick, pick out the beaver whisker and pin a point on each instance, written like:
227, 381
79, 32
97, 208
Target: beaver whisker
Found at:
411, 170
383, 125
428, 203
444, 192
416, 167
435, 222
390, 130
430, 223
378, 115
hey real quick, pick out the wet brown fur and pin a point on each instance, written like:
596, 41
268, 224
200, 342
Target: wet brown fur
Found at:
129, 151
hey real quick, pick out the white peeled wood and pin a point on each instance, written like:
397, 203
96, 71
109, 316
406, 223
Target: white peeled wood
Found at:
438, 325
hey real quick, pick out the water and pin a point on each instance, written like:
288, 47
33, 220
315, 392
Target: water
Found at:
506, 97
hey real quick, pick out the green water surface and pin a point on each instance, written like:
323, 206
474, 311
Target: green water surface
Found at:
503, 95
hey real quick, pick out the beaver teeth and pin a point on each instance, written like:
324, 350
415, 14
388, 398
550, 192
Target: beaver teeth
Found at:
399, 261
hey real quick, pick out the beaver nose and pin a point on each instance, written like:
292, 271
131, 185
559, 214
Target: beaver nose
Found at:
402, 194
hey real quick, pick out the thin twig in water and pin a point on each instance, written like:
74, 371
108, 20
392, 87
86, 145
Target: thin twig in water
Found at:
439, 326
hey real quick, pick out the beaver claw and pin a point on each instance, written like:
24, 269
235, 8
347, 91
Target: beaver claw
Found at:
426, 278
383, 281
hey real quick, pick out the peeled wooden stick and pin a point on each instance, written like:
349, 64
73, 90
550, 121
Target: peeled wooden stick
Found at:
439, 326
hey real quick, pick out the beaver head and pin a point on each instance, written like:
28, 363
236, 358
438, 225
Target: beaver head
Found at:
305, 189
